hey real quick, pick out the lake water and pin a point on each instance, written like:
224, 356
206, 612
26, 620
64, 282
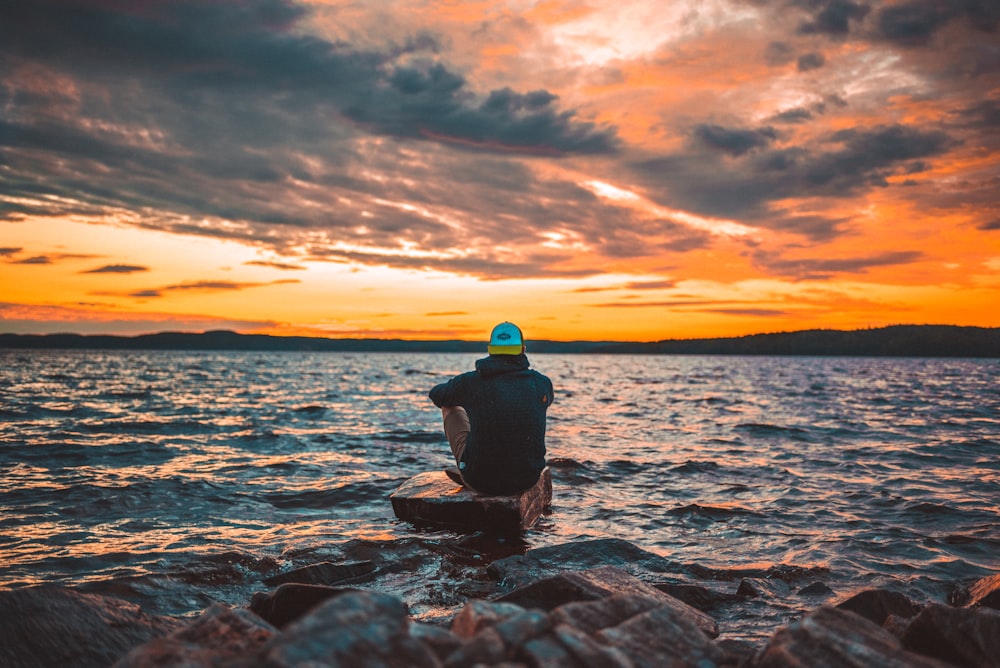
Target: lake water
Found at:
134, 472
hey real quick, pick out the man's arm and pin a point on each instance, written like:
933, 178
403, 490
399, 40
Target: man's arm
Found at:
447, 394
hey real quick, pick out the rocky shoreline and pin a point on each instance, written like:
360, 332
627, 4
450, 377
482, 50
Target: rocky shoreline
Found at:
584, 603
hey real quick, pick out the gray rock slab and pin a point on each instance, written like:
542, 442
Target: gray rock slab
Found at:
432, 498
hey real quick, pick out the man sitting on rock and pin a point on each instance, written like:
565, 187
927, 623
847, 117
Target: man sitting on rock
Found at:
494, 418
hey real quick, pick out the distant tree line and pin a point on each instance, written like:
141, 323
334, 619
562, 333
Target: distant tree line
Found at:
895, 341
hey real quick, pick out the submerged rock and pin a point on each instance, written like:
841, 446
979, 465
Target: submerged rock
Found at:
433, 498
50, 626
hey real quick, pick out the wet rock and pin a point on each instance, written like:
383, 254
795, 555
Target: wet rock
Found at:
761, 587
220, 636
354, 629
566, 647
877, 604
963, 636
815, 589
477, 615
534, 565
325, 573
896, 625
291, 601
592, 616
631, 629
985, 593
696, 596
663, 636
836, 638
50, 626
433, 498
598, 583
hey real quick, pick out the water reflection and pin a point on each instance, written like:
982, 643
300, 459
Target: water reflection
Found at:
863, 466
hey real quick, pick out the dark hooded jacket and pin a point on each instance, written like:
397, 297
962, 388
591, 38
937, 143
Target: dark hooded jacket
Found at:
506, 402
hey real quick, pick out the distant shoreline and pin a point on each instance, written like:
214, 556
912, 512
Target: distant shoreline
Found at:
891, 341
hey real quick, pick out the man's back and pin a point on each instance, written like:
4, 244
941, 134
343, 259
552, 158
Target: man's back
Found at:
506, 403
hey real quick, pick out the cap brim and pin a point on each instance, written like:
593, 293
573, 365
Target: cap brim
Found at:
504, 350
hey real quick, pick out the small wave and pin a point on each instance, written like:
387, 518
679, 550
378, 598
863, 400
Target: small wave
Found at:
713, 512
927, 508
345, 495
412, 437
311, 409
692, 466
763, 429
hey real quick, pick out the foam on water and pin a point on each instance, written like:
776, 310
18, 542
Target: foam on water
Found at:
125, 466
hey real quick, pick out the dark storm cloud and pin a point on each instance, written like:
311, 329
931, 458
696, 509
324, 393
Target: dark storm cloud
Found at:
733, 141
200, 54
37, 259
831, 17
8, 251
916, 23
755, 173
989, 225
116, 269
824, 268
224, 111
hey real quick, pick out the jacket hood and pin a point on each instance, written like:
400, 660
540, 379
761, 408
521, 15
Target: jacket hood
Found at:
495, 365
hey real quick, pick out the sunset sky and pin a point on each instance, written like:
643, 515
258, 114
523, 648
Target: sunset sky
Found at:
590, 169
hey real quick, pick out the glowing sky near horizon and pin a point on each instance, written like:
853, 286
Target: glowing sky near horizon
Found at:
587, 169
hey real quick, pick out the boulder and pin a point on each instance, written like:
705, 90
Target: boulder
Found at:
53, 626
985, 593
433, 498
598, 583
357, 628
291, 601
661, 638
876, 605
624, 630
221, 636
968, 637
836, 638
